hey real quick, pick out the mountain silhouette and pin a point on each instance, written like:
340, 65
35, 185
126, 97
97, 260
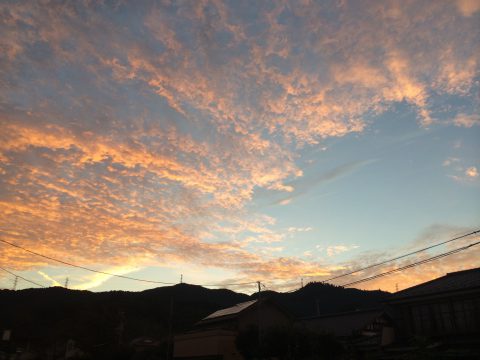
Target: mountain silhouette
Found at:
95, 320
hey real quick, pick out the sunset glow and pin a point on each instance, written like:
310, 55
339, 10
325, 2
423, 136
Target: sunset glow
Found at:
235, 141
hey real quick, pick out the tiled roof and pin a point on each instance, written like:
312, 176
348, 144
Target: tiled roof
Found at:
455, 281
231, 310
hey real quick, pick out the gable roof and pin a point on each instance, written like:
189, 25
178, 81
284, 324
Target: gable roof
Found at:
233, 310
455, 281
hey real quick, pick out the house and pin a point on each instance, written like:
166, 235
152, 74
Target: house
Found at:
444, 307
443, 313
213, 337
373, 322
361, 331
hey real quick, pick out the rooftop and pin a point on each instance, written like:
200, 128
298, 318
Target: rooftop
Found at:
455, 281
231, 310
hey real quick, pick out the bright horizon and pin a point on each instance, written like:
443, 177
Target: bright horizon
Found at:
236, 142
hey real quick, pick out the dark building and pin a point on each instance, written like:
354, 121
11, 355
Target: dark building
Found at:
214, 336
443, 312
361, 332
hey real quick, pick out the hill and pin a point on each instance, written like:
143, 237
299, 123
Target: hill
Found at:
100, 321
319, 298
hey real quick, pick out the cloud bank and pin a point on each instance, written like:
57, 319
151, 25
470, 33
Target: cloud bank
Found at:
141, 139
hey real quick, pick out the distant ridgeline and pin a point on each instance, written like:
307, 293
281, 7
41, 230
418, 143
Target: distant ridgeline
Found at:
41, 317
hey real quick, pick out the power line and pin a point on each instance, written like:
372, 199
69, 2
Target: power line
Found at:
85, 268
244, 283
389, 260
401, 256
233, 284
392, 259
111, 274
20, 277
436, 257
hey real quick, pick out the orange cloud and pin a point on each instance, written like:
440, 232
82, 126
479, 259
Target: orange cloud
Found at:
468, 7
143, 143
471, 172
465, 120
460, 261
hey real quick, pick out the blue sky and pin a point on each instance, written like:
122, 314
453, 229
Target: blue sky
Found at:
237, 141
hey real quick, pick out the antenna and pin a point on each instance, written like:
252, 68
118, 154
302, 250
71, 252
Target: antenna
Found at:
66, 283
396, 287
259, 315
15, 282
181, 278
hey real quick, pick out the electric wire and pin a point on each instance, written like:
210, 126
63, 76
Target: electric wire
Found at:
253, 282
393, 259
21, 277
233, 284
111, 274
436, 257
401, 256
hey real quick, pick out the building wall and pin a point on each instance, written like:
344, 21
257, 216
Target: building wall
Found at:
216, 340
441, 316
206, 344
265, 316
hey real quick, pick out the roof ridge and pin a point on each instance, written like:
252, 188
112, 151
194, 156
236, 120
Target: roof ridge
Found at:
448, 282
462, 271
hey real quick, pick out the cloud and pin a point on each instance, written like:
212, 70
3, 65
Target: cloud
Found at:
411, 277
338, 249
465, 176
449, 161
468, 7
142, 140
471, 172
304, 184
465, 120
285, 201
432, 235
47, 277
95, 280
294, 229
462, 174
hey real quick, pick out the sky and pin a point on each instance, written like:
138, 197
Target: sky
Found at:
237, 141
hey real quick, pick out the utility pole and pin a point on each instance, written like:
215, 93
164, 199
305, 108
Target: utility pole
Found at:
66, 283
259, 304
181, 278
15, 282
396, 287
